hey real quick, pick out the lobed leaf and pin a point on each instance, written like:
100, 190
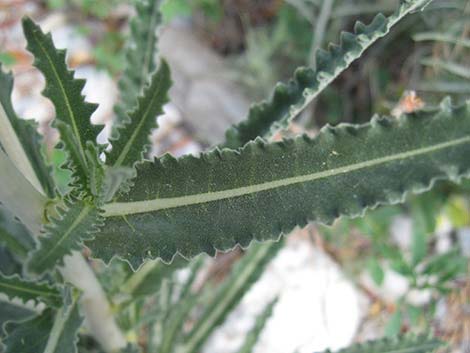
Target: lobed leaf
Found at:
21, 141
16, 287
288, 100
65, 93
78, 221
225, 197
132, 138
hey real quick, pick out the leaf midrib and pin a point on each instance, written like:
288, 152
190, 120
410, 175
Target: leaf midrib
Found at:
127, 208
130, 142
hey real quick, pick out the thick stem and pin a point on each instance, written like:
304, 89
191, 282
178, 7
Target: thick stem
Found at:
95, 305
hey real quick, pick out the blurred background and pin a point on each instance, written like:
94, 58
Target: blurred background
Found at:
402, 268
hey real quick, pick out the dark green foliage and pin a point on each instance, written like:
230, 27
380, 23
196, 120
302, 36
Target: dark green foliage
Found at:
64, 91
342, 171
259, 190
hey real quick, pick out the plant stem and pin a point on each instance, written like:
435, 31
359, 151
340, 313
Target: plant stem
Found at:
95, 305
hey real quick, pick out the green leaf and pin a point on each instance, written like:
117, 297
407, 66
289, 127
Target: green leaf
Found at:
78, 221
13, 312
401, 344
245, 273
253, 335
132, 138
223, 198
288, 100
64, 91
15, 287
21, 141
140, 58
14, 234
50, 332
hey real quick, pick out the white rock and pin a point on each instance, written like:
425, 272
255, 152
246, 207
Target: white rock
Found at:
318, 307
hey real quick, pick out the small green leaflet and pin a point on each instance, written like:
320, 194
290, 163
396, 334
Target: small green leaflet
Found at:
288, 100
15, 287
77, 222
133, 137
224, 197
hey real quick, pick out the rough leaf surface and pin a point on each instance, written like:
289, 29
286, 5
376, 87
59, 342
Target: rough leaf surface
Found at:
223, 198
